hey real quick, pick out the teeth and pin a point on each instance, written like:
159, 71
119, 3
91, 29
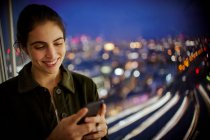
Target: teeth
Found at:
51, 62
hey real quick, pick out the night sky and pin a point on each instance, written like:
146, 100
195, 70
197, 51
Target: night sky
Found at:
130, 19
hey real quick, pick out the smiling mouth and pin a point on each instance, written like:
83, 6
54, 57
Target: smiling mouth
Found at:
51, 63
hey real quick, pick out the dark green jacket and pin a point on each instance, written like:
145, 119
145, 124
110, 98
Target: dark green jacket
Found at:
26, 108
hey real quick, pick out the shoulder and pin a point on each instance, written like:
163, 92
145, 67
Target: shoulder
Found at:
84, 84
10, 84
81, 77
75, 76
8, 89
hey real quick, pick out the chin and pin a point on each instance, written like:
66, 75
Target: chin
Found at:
55, 71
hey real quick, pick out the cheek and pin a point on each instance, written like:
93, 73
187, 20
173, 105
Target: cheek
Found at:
63, 50
36, 55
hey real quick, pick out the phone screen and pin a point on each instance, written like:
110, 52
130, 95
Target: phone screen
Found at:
93, 109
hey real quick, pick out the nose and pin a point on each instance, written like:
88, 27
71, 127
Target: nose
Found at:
51, 52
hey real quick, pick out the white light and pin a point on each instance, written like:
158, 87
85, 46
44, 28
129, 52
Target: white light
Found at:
109, 46
119, 71
70, 67
140, 114
168, 77
134, 45
184, 78
102, 92
188, 53
106, 69
133, 55
189, 43
173, 58
105, 56
136, 73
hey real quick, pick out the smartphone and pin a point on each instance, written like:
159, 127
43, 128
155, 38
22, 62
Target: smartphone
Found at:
93, 109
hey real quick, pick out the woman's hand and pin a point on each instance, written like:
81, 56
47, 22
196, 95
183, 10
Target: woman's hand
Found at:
100, 126
68, 129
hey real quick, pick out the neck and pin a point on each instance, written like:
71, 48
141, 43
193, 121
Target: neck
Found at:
47, 80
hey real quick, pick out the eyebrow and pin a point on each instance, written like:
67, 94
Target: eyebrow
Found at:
42, 42
58, 39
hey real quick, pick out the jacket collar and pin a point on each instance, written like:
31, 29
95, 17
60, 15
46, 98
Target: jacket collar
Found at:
27, 83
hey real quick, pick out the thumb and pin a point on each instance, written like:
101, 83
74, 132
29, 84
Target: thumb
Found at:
103, 110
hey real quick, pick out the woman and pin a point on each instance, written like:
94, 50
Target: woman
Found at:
45, 101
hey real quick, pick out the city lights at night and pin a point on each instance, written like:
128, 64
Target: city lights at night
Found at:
148, 58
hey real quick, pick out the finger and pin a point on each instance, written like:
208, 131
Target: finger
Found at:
77, 117
91, 119
100, 127
80, 114
96, 135
85, 129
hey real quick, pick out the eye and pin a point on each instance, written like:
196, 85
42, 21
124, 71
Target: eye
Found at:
58, 43
39, 46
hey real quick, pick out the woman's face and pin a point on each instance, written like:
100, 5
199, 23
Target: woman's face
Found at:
46, 48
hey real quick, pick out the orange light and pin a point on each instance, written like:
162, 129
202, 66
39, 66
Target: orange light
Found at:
200, 51
71, 56
186, 62
181, 67
196, 54
191, 58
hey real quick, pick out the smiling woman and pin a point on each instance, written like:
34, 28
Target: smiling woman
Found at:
46, 100
46, 48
